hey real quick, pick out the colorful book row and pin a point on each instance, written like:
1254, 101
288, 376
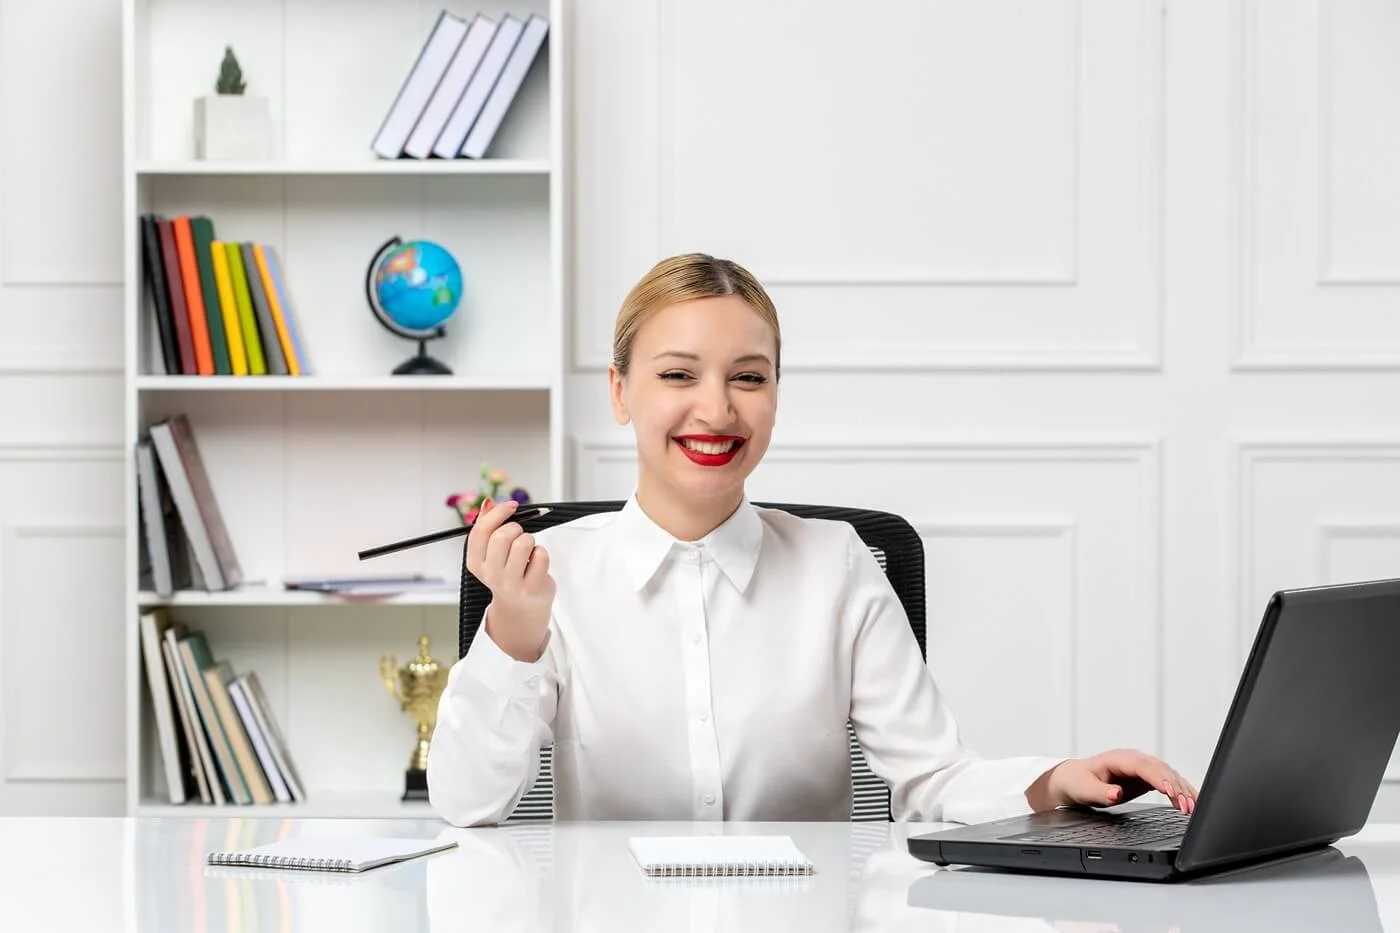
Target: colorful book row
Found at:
221, 307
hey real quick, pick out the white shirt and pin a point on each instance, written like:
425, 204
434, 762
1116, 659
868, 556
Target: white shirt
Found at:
711, 680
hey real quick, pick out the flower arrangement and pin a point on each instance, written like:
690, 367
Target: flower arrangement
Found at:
468, 505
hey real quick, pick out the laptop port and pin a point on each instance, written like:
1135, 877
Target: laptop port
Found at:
1093, 853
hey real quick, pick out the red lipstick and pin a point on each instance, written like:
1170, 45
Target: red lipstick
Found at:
710, 459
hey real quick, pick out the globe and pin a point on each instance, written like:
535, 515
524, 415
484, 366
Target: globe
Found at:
414, 287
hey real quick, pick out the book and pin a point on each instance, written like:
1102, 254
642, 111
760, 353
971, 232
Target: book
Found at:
704, 856
153, 272
330, 853
154, 624
464, 115
183, 468
427, 71
449, 91
503, 92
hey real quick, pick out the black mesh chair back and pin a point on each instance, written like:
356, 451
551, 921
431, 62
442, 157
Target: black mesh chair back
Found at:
892, 540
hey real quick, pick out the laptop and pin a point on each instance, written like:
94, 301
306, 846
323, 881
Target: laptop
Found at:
1318, 890
1296, 767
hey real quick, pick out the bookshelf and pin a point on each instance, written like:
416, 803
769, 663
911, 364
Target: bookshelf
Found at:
308, 469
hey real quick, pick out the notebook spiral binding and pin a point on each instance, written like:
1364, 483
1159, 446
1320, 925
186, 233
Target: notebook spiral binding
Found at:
242, 860
728, 869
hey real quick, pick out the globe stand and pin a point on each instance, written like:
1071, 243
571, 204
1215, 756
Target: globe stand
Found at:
422, 364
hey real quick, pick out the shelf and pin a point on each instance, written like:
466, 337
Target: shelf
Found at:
276, 597
521, 382
306, 470
338, 805
346, 167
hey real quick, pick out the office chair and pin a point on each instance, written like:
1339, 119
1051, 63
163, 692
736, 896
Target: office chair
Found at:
896, 547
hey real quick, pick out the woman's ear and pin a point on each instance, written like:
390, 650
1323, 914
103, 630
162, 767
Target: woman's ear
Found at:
619, 404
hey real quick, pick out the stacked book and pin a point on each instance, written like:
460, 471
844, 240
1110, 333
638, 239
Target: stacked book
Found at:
186, 543
219, 741
221, 307
461, 86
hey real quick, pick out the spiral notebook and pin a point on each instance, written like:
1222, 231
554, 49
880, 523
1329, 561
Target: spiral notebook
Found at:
710, 856
330, 853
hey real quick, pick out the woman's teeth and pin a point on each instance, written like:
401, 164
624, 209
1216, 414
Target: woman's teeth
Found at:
708, 447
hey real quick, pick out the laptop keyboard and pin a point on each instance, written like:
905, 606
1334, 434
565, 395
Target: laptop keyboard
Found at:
1115, 829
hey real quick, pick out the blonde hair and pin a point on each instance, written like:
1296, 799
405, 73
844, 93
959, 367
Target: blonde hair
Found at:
684, 278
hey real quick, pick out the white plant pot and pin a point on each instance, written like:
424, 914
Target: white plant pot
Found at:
232, 127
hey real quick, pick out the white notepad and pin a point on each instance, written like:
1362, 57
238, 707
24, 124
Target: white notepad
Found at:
331, 853
703, 856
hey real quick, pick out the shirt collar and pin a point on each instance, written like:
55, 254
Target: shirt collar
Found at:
733, 545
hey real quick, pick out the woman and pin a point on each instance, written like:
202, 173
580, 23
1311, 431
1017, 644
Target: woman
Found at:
692, 657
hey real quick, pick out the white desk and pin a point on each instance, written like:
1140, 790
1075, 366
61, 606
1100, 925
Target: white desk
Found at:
149, 876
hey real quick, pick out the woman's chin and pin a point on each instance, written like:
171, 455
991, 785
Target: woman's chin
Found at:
709, 482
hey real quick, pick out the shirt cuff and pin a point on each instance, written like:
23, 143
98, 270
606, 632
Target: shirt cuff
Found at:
1006, 797
501, 673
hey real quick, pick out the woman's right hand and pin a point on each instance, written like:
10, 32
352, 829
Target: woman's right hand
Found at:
505, 557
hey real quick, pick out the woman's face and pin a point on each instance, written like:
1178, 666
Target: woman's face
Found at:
701, 395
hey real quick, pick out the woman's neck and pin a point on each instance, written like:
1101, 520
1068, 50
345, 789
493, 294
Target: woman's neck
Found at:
685, 520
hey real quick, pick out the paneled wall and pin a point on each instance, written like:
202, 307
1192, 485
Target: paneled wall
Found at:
1094, 292
62, 732
1099, 293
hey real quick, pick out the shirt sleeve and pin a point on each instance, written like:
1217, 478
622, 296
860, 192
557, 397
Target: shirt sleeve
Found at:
495, 715
905, 728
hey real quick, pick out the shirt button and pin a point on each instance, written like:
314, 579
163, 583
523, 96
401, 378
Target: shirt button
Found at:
533, 681
709, 799
695, 637
704, 715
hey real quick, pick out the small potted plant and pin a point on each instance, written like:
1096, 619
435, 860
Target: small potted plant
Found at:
229, 124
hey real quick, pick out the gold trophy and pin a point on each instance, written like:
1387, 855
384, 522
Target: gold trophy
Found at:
417, 686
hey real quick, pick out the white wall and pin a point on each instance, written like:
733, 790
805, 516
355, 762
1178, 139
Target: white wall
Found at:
1095, 293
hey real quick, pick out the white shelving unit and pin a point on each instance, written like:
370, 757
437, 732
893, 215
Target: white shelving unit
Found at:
307, 470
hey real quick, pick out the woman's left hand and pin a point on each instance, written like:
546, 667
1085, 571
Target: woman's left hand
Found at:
1113, 777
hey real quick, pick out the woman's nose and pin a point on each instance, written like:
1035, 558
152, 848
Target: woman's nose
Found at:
714, 408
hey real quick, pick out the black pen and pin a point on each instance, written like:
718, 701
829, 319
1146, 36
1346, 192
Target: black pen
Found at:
457, 532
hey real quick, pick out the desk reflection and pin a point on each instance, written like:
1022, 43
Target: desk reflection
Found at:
496, 879
582, 878
527, 878
1324, 890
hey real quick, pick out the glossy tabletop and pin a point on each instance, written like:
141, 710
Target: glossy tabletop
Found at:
95, 874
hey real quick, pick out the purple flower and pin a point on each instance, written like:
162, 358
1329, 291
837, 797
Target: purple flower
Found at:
520, 495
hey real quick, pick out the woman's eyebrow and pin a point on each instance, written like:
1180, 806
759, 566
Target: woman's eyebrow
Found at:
746, 358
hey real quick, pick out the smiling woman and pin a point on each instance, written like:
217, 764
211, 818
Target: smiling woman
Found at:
695, 372
694, 657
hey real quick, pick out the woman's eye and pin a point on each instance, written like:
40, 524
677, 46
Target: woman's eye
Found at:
674, 375
752, 378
